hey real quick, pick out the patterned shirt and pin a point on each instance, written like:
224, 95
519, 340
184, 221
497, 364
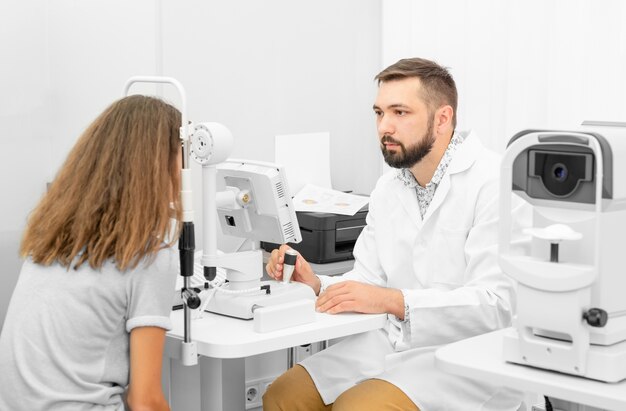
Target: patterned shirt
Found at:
425, 194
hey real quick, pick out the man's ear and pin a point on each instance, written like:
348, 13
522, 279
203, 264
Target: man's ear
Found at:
443, 118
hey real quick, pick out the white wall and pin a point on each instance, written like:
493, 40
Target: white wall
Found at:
518, 64
261, 68
24, 122
282, 67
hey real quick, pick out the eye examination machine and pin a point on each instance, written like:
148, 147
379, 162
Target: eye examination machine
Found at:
250, 199
571, 309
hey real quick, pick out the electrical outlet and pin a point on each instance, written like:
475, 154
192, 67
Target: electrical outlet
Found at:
253, 396
255, 390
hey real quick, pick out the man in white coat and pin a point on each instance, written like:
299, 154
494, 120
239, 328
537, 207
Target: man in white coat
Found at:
427, 258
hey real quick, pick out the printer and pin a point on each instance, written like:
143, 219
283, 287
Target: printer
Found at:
326, 237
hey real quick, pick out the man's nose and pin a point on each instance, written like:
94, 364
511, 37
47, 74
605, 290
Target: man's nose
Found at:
385, 126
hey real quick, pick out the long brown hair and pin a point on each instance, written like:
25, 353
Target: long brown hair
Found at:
111, 198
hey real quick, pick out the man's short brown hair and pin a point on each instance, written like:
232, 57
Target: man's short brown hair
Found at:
438, 87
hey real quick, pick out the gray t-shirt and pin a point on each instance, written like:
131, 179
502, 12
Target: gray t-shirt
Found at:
65, 340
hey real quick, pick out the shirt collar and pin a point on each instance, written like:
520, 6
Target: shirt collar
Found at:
408, 179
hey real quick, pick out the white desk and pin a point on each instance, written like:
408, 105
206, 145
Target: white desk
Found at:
223, 343
481, 358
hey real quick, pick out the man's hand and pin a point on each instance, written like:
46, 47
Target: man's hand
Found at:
353, 296
302, 272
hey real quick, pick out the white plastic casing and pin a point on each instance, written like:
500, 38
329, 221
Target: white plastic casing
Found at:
285, 315
211, 143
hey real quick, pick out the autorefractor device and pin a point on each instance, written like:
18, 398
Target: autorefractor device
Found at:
250, 199
571, 310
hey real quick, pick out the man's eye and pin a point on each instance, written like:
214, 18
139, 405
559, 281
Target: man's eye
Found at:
400, 112
378, 113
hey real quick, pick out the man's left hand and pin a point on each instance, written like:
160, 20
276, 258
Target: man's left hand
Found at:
353, 296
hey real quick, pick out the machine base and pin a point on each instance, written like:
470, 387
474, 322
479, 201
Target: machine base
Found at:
604, 362
243, 305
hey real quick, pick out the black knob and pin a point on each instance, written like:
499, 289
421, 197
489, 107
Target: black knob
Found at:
596, 317
191, 299
194, 302
186, 247
210, 273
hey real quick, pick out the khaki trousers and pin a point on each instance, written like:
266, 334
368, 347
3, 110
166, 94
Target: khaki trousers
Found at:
295, 391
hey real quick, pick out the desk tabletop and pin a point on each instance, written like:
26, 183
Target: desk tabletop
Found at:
481, 358
219, 336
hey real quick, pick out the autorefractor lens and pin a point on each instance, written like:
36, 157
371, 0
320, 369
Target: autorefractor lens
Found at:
560, 172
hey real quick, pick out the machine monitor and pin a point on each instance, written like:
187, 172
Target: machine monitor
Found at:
261, 208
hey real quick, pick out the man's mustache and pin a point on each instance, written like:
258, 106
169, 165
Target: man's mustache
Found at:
388, 139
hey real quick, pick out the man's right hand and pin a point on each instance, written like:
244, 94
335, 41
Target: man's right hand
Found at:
302, 271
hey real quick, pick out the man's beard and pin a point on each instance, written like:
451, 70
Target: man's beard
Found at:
407, 158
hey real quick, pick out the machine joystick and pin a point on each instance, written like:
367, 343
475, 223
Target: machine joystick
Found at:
291, 256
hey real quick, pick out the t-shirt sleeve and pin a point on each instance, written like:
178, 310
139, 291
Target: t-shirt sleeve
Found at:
150, 289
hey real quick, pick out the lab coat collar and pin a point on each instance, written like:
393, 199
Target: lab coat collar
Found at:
462, 159
465, 154
408, 199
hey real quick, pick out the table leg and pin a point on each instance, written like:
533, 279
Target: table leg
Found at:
184, 392
214, 384
291, 357
223, 384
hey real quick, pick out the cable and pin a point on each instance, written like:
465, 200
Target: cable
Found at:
214, 286
220, 288
198, 275
255, 289
205, 303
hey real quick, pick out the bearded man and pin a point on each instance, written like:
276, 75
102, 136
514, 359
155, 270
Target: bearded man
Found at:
427, 258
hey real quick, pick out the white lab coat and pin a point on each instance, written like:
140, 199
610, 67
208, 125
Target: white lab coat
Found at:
446, 265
